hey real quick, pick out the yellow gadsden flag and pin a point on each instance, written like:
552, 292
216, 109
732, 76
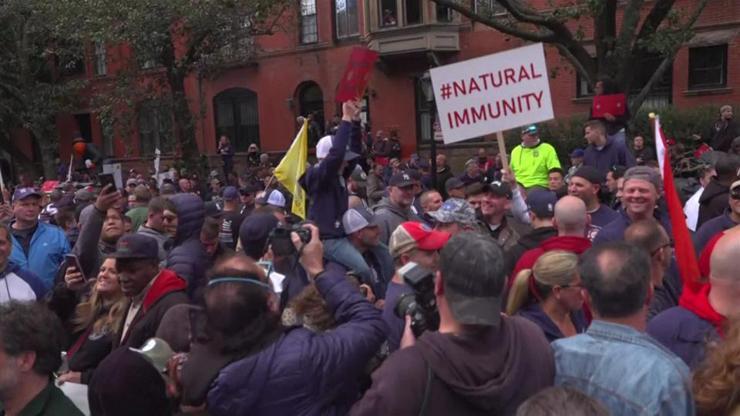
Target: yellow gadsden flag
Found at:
292, 167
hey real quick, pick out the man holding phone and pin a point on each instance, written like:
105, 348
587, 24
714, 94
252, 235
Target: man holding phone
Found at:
37, 246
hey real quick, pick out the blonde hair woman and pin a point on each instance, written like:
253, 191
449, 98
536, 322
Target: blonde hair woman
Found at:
550, 295
95, 319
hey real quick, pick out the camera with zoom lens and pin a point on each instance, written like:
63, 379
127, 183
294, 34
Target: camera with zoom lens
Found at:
421, 305
280, 240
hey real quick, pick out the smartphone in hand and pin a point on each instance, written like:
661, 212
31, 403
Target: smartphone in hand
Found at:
73, 261
107, 179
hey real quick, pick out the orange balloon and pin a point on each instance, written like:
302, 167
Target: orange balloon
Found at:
79, 148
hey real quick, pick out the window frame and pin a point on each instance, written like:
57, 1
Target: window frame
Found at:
308, 15
722, 67
347, 19
492, 4
160, 134
100, 54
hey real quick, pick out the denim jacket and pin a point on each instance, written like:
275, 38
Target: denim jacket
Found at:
626, 370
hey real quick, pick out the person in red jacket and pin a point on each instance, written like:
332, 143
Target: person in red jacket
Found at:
571, 221
151, 290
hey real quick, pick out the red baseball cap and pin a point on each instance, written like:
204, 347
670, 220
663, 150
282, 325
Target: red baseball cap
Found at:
415, 235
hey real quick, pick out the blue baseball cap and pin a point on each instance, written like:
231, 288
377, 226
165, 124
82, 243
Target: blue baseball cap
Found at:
230, 193
577, 153
542, 203
23, 193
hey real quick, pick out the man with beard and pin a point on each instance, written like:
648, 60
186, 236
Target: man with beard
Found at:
363, 233
396, 208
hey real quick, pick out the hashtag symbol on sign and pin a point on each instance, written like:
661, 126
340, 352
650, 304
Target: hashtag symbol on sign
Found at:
446, 91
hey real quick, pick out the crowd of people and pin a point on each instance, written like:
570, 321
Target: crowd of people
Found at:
530, 289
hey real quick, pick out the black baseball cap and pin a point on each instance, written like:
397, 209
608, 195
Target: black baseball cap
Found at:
590, 174
472, 268
401, 180
136, 246
501, 189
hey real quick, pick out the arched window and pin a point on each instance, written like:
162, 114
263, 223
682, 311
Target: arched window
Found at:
311, 101
237, 117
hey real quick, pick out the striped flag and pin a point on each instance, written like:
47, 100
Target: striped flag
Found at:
292, 167
684, 247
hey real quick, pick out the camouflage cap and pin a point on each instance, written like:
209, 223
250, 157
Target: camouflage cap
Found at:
455, 210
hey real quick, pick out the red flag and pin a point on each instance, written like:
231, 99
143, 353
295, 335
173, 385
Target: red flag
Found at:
685, 254
614, 104
356, 75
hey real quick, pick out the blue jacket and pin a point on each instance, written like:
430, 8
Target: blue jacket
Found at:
626, 370
614, 231
46, 253
613, 153
188, 258
682, 332
711, 228
535, 314
326, 188
303, 372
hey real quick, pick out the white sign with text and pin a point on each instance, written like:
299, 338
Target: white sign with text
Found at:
492, 93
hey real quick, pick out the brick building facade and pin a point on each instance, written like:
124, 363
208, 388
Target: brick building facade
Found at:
297, 72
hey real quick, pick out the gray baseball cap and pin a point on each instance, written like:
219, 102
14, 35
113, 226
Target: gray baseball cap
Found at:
472, 268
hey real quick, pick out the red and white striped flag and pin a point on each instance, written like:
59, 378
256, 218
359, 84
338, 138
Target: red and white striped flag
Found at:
684, 247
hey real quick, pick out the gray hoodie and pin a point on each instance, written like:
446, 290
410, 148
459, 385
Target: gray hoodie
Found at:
389, 216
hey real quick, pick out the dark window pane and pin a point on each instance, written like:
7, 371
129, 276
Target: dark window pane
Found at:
237, 117
413, 11
708, 67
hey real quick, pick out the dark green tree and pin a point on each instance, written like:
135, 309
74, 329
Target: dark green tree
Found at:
171, 39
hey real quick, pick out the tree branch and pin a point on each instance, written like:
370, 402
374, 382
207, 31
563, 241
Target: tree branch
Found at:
668, 60
509, 30
653, 20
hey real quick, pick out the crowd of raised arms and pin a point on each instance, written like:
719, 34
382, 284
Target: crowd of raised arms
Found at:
530, 288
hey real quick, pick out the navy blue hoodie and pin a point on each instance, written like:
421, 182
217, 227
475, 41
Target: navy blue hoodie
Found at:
326, 192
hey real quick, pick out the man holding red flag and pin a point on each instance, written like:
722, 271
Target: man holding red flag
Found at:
702, 312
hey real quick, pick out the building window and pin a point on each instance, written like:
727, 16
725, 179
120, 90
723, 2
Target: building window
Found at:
708, 67
444, 13
237, 117
412, 12
488, 7
311, 103
155, 128
388, 13
309, 27
346, 18
101, 66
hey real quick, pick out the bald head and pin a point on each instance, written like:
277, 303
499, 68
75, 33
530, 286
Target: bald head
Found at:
570, 216
724, 256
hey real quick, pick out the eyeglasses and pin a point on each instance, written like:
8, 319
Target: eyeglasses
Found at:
668, 244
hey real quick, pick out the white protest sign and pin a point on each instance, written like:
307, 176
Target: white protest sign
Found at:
115, 169
492, 93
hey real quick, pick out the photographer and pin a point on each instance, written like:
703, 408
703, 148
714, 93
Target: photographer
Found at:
410, 242
297, 371
480, 361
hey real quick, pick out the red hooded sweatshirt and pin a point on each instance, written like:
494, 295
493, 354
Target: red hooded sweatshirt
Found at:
576, 245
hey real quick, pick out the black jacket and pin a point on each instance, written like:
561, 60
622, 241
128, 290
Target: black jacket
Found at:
527, 242
713, 202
